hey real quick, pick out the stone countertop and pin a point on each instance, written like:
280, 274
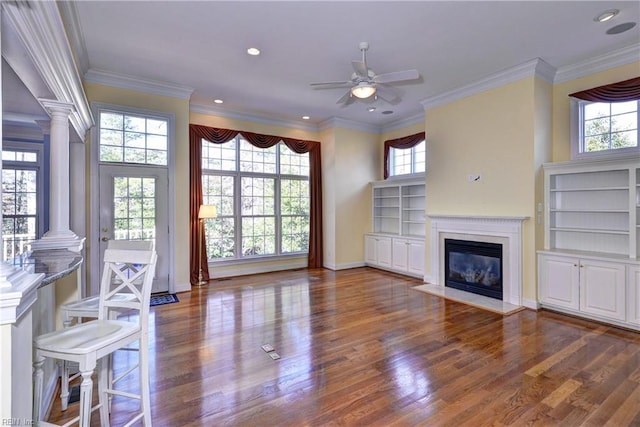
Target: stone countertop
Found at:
54, 263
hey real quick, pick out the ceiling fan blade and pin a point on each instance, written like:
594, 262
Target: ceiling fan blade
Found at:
388, 94
397, 76
336, 84
346, 99
361, 69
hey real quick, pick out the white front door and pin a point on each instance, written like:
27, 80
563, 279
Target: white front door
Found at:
134, 206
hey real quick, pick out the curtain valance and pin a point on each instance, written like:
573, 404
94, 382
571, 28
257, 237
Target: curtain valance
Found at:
627, 90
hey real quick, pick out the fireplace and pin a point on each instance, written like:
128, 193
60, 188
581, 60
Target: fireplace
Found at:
473, 266
502, 230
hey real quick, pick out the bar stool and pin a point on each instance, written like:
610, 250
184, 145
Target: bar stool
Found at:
89, 344
88, 308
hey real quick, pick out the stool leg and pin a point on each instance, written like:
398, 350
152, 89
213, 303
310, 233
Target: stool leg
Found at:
38, 378
103, 385
64, 370
145, 400
64, 384
86, 390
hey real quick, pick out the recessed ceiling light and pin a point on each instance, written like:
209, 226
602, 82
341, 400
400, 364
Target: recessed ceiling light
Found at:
218, 101
621, 28
305, 117
606, 15
371, 109
254, 51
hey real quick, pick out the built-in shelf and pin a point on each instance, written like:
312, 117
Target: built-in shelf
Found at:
590, 206
398, 207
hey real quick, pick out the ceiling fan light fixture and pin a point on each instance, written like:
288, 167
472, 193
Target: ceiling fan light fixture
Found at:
363, 90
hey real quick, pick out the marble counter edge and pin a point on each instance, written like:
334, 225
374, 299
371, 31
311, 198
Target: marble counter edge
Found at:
18, 285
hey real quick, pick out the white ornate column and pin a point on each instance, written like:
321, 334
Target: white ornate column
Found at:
59, 235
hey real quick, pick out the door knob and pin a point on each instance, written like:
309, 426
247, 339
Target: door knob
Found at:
105, 239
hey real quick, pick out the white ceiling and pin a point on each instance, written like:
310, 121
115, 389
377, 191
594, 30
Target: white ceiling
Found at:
202, 45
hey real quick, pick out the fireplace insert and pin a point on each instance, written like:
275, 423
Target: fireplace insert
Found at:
474, 267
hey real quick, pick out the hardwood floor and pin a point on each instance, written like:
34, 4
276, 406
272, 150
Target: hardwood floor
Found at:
359, 347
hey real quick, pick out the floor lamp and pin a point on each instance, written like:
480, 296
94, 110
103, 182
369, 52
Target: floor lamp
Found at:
206, 211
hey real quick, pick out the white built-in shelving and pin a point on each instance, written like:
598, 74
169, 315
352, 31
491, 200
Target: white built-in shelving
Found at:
397, 239
592, 206
590, 265
399, 207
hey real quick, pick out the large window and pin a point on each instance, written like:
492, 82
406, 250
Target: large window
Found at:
608, 127
22, 199
261, 196
408, 160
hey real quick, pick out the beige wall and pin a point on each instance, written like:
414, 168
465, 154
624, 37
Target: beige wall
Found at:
492, 134
357, 158
561, 104
180, 108
328, 153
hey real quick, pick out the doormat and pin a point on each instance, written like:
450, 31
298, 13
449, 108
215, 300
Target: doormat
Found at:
162, 299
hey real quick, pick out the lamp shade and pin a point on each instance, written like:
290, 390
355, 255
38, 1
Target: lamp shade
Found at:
207, 211
363, 90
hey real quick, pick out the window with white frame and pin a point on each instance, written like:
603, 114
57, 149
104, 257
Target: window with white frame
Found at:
605, 129
133, 138
408, 160
261, 197
22, 196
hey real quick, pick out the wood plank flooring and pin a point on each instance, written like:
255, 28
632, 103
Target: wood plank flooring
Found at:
359, 347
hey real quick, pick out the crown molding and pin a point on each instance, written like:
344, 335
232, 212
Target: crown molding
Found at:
122, 81
535, 67
41, 53
335, 122
616, 58
406, 122
237, 115
69, 13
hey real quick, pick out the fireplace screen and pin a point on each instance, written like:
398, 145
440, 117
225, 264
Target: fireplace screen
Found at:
474, 267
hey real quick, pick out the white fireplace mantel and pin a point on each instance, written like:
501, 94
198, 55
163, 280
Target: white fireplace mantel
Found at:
506, 230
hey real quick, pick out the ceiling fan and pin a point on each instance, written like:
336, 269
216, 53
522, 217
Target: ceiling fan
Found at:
365, 84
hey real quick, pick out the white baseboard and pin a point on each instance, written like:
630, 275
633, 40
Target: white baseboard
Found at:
344, 266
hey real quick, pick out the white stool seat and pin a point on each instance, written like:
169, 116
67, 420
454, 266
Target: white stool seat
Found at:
88, 307
87, 337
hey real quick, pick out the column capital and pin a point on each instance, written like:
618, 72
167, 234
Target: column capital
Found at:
54, 106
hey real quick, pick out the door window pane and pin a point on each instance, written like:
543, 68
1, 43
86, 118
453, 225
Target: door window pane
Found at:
134, 208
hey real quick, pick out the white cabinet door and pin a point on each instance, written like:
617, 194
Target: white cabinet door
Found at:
633, 294
415, 263
370, 252
377, 251
383, 248
400, 254
602, 287
559, 281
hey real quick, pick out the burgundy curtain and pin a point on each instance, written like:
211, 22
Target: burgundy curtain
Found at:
404, 142
219, 136
628, 90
